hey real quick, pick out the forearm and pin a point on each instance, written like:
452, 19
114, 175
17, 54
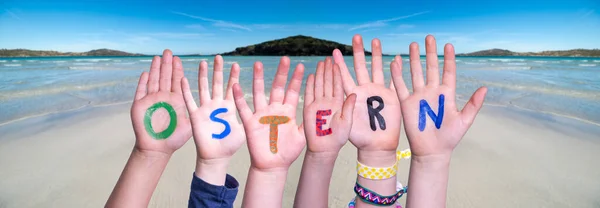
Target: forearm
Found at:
139, 179
385, 187
313, 187
212, 171
428, 181
264, 188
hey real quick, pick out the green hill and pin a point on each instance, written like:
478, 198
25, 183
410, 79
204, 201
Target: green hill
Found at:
36, 53
567, 53
293, 46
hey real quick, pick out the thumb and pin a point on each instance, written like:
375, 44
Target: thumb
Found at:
348, 109
472, 107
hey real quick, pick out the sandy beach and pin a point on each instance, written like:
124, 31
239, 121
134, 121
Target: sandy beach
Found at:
508, 159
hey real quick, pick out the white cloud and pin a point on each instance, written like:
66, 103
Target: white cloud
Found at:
12, 14
195, 26
216, 23
587, 13
178, 35
405, 26
381, 23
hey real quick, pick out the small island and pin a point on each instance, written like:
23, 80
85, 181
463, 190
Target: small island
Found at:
299, 45
565, 53
36, 53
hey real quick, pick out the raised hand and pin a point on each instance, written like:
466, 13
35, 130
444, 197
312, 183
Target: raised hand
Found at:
377, 117
327, 127
326, 124
217, 133
160, 126
158, 111
274, 139
433, 124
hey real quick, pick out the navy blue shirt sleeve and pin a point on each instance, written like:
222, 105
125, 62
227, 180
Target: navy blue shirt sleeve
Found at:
203, 194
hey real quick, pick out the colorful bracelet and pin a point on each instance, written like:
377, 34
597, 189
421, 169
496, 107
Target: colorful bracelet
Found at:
399, 187
405, 154
381, 173
373, 198
376, 173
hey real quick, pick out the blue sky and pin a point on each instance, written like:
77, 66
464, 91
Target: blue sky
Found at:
218, 26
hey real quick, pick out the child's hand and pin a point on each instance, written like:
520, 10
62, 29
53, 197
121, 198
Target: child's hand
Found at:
217, 133
158, 111
274, 139
326, 123
433, 124
377, 118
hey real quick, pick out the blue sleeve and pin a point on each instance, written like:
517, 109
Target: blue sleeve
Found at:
203, 194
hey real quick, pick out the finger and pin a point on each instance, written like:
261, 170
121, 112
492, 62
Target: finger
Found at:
177, 75
328, 78
309, 94
240, 103
449, 76
234, 77
431, 57
166, 71
203, 83
348, 109
338, 90
293, 92
377, 62
469, 112
217, 88
140, 92
347, 80
415, 67
187, 95
398, 80
319, 80
154, 75
258, 88
360, 66
278, 87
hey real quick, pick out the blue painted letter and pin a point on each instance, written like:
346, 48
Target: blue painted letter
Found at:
425, 108
213, 117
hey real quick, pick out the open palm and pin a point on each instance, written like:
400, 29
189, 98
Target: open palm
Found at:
433, 124
269, 148
367, 132
217, 132
323, 98
158, 111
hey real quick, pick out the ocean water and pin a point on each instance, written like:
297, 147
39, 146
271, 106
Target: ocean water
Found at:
32, 87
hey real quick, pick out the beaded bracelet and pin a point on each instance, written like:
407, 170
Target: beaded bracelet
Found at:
373, 198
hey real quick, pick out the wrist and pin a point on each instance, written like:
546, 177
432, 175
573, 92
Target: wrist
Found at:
212, 171
377, 158
149, 155
321, 158
431, 161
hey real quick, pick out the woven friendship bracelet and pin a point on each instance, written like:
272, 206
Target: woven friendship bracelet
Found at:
399, 187
371, 197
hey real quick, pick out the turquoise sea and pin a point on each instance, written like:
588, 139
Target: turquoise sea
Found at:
32, 87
